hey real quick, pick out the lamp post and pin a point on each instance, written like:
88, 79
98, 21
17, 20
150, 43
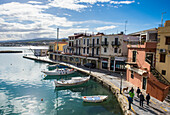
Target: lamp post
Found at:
121, 74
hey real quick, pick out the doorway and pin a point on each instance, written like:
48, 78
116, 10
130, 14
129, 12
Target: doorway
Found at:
144, 83
134, 56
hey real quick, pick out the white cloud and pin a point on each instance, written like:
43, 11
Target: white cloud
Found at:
31, 20
68, 4
122, 2
105, 28
77, 5
34, 2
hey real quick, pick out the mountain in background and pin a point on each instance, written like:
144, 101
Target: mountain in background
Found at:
35, 39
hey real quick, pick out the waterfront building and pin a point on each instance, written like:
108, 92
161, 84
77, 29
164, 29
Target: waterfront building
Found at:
163, 50
54, 52
141, 65
107, 52
40, 52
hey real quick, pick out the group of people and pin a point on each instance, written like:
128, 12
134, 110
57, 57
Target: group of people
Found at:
139, 95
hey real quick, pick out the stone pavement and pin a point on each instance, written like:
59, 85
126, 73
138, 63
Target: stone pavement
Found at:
156, 107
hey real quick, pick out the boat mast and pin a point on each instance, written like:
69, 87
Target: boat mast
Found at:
57, 41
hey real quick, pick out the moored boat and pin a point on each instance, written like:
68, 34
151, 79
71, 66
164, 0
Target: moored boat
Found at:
56, 66
72, 82
95, 98
59, 72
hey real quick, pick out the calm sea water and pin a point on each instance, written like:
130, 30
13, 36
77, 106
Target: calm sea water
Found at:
23, 85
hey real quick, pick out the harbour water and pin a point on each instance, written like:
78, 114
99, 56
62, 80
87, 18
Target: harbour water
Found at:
25, 90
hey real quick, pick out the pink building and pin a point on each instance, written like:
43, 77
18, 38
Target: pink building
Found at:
140, 67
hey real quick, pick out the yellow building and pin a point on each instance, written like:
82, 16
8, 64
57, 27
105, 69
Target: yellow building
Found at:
163, 50
53, 46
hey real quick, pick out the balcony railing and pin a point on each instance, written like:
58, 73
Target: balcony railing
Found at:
50, 50
105, 43
97, 45
115, 44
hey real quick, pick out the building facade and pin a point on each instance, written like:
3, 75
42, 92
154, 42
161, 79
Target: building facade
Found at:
163, 51
141, 65
54, 52
107, 52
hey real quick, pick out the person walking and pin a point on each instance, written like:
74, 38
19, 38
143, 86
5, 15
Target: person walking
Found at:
138, 91
141, 99
130, 102
131, 93
131, 90
147, 99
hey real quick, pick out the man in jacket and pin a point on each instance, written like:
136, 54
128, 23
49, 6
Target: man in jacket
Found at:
147, 99
141, 99
138, 91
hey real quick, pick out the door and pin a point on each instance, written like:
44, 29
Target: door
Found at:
105, 40
92, 51
134, 56
116, 41
144, 83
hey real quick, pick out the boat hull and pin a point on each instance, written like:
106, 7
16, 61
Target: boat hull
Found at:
58, 73
94, 99
60, 84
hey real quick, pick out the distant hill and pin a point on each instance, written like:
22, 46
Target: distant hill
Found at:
35, 39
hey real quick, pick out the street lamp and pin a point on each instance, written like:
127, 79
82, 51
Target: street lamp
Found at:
121, 74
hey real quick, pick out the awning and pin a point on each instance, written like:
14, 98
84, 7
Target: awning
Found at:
139, 71
91, 58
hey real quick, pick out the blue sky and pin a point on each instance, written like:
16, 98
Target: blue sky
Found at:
27, 19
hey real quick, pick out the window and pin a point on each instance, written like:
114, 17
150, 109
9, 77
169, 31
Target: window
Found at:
84, 41
162, 57
87, 42
104, 65
132, 74
163, 72
115, 51
97, 40
87, 50
119, 50
105, 40
97, 51
167, 41
84, 50
105, 50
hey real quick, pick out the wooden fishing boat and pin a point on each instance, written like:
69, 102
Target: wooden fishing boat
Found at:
64, 71
72, 82
95, 98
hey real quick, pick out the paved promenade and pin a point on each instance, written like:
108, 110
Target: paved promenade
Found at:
156, 107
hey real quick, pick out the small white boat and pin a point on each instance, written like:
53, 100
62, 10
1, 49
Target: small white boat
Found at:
72, 82
95, 98
59, 72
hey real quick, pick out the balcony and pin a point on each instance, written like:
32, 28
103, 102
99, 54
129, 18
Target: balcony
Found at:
75, 45
97, 45
105, 43
116, 44
91, 45
50, 50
